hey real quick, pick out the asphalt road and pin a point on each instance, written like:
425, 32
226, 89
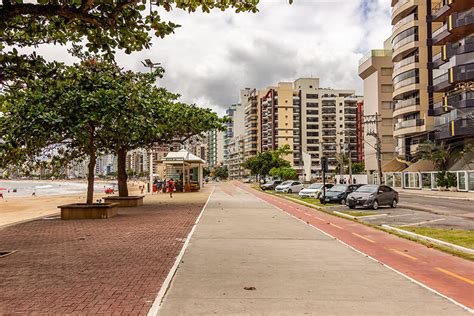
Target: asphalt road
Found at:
443, 206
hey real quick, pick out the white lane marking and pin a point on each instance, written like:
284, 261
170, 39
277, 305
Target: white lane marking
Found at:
424, 222
155, 308
400, 215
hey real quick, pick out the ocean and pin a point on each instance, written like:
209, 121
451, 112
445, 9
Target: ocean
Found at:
40, 188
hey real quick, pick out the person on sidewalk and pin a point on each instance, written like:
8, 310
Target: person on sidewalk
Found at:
170, 187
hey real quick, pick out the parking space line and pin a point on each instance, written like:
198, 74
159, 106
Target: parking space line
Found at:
403, 254
400, 215
424, 222
360, 236
456, 276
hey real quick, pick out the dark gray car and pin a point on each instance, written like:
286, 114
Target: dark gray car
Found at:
373, 195
271, 185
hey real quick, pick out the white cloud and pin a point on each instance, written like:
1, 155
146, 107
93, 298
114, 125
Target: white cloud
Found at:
212, 56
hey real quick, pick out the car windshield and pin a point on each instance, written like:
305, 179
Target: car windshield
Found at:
315, 186
368, 188
286, 183
339, 188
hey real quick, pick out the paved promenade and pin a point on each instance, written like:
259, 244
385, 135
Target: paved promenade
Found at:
90, 267
249, 257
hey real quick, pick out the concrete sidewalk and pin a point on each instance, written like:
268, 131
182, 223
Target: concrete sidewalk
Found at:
248, 257
467, 196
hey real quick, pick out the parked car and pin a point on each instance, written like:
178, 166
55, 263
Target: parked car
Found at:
289, 187
247, 180
339, 193
271, 185
373, 195
314, 190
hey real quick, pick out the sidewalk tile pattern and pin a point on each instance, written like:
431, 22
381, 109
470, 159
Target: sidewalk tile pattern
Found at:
113, 266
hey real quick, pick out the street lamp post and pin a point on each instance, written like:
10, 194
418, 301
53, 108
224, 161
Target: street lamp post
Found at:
148, 63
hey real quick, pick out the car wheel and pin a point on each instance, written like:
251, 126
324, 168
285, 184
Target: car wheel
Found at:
375, 205
289, 191
394, 203
351, 206
343, 201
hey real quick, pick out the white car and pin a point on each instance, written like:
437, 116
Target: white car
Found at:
290, 187
314, 190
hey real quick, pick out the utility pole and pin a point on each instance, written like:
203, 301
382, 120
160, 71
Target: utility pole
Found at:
148, 63
374, 120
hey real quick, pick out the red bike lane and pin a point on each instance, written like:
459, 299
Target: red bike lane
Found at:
450, 276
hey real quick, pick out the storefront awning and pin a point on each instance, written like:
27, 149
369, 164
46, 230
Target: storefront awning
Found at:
421, 166
394, 165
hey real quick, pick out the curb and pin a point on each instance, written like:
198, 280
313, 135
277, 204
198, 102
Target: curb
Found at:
436, 241
438, 196
346, 215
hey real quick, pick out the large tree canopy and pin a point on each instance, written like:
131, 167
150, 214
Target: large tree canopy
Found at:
90, 108
104, 25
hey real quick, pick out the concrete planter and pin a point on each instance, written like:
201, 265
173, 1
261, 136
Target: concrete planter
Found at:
86, 211
127, 201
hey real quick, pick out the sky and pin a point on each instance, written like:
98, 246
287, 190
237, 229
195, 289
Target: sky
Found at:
212, 56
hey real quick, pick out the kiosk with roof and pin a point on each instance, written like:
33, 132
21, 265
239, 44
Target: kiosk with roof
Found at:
185, 169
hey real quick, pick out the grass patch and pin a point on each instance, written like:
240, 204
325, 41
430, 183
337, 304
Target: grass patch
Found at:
358, 213
464, 238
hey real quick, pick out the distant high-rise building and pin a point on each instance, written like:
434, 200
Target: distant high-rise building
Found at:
309, 119
215, 146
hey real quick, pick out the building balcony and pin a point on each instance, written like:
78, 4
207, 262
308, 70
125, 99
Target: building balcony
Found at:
405, 64
406, 89
450, 50
400, 25
458, 26
404, 47
409, 127
462, 101
329, 118
329, 127
461, 127
447, 81
441, 9
401, 9
406, 106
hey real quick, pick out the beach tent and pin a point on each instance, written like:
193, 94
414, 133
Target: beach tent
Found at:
186, 167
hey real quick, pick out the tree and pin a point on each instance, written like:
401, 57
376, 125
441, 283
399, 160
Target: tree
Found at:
123, 109
104, 25
438, 154
358, 168
284, 173
261, 164
221, 172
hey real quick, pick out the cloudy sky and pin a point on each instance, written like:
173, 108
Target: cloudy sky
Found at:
214, 55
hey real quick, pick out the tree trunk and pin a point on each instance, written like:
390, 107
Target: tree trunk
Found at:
90, 176
122, 172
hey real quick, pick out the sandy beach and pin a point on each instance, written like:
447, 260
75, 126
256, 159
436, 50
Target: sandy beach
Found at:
22, 208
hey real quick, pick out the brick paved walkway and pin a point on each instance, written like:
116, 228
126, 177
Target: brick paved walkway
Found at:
113, 266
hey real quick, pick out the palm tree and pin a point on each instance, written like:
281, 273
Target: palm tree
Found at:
438, 154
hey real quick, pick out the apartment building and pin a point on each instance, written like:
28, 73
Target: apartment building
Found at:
215, 147
376, 69
411, 76
252, 116
234, 139
453, 34
236, 153
309, 119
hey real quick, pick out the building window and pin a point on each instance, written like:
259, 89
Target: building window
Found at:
312, 126
312, 112
386, 71
312, 104
311, 96
386, 105
340, 111
387, 88
312, 134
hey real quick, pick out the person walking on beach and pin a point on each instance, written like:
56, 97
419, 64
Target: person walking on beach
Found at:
170, 187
